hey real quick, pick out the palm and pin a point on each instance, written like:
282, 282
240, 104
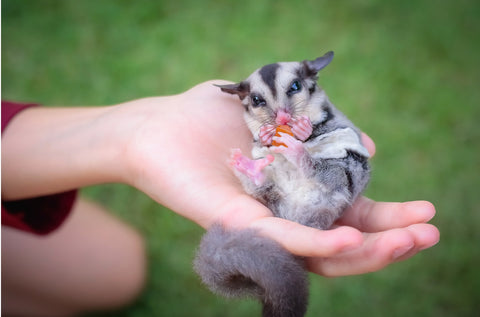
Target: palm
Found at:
181, 160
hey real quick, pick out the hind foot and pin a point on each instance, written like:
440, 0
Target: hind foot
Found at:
250, 168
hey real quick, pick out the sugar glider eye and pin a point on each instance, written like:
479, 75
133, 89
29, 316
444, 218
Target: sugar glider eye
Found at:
258, 101
295, 87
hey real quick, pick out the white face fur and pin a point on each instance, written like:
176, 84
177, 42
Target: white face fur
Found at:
287, 88
286, 92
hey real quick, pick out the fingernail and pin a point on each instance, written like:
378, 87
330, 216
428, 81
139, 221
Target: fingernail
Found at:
401, 251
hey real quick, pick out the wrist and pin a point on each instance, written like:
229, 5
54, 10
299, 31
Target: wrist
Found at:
104, 152
139, 126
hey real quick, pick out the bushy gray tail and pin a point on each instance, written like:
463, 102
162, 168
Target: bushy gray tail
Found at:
243, 263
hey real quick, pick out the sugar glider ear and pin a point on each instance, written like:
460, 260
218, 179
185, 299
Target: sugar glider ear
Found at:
241, 89
313, 67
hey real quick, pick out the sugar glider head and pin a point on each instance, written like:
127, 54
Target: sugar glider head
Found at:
276, 94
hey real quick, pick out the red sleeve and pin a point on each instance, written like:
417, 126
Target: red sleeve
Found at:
39, 215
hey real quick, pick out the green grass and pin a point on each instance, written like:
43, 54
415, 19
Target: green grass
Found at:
407, 72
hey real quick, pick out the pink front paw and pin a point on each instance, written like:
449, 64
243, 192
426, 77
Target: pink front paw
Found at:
293, 149
266, 134
302, 128
292, 145
250, 168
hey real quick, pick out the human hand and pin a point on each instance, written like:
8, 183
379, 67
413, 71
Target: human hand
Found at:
178, 154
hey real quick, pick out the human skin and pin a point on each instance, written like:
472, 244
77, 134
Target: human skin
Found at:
176, 149
93, 262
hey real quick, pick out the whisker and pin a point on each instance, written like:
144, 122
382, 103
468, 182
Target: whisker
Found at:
259, 121
299, 107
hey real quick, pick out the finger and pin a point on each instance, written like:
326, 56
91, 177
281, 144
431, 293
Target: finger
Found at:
378, 251
369, 216
277, 148
283, 136
238, 211
306, 241
426, 236
300, 240
369, 144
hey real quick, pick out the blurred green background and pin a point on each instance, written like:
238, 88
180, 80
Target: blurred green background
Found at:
407, 72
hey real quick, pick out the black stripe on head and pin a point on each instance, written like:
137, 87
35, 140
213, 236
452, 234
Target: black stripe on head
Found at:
269, 75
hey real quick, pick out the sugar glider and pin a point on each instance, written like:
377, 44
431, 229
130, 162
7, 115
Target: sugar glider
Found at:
309, 177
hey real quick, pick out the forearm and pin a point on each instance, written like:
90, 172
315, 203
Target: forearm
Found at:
49, 150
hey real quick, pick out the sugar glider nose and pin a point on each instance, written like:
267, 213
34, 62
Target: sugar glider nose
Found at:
283, 117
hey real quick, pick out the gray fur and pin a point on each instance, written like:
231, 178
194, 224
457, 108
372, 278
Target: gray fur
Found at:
234, 263
313, 190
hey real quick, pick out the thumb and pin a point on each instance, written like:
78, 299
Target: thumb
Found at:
306, 241
244, 211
